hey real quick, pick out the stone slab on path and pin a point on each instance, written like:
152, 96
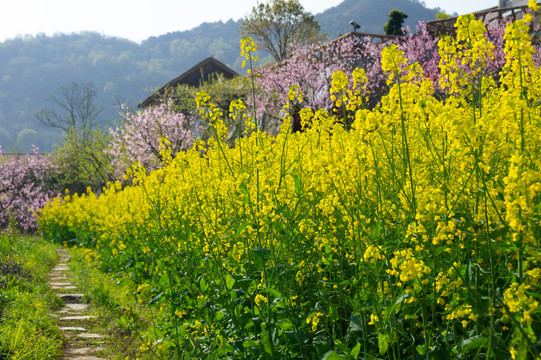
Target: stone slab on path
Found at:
78, 318
83, 350
71, 298
89, 336
70, 287
76, 307
60, 267
71, 328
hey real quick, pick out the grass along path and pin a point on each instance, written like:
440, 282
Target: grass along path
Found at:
27, 328
55, 305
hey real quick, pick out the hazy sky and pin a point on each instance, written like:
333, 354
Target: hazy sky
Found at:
138, 19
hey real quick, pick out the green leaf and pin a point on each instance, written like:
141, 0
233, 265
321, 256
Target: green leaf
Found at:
421, 349
203, 285
156, 299
531, 293
229, 282
244, 190
273, 292
356, 351
220, 315
260, 257
333, 313
376, 232
243, 283
473, 343
265, 345
242, 227
333, 355
250, 343
383, 342
298, 184
355, 323
284, 324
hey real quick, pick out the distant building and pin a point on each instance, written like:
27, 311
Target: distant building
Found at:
510, 3
193, 77
505, 9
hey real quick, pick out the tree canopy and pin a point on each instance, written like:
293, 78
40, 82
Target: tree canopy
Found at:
395, 23
277, 25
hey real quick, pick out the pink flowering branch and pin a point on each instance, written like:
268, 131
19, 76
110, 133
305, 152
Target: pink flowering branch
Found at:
27, 183
138, 139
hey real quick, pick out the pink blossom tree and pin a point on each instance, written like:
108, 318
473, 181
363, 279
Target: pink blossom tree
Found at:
311, 68
27, 183
138, 139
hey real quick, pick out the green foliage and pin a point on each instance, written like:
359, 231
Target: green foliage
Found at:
442, 15
388, 238
395, 23
83, 162
277, 25
27, 330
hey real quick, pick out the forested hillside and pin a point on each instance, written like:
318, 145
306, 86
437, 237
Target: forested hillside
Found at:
31, 68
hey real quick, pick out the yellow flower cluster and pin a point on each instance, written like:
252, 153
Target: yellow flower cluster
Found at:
260, 300
463, 312
314, 319
518, 301
247, 50
407, 267
417, 201
349, 96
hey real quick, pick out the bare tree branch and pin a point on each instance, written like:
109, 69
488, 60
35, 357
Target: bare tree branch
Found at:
74, 109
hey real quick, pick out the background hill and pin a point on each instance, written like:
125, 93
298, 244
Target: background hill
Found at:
31, 68
371, 15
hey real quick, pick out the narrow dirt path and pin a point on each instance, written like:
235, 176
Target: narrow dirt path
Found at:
75, 320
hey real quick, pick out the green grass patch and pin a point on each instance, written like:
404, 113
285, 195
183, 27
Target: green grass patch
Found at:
27, 328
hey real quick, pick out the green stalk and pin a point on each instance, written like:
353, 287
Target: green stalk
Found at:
253, 92
405, 145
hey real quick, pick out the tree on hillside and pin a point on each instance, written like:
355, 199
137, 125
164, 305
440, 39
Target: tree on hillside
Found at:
74, 109
396, 23
277, 25
442, 16
81, 156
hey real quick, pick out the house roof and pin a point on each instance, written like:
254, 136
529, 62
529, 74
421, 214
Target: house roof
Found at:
447, 26
381, 37
193, 77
